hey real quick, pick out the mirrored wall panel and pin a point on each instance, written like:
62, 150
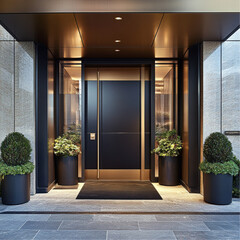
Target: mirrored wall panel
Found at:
70, 95
165, 92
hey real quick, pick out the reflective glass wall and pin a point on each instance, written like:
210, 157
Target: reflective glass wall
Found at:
165, 99
70, 95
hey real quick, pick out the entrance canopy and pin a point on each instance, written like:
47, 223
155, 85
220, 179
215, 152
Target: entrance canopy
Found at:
120, 35
60, 6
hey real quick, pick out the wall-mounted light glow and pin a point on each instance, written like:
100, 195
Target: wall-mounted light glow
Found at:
117, 41
117, 50
118, 18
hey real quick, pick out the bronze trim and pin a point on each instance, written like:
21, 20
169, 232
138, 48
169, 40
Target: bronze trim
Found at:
118, 174
142, 77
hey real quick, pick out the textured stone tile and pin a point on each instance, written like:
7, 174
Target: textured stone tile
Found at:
71, 217
25, 217
175, 226
10, 225
17, 234
140, 235
79, 225
223, 225
124, 217
172, 217
210, 218
207, 235
40, 225
71, 235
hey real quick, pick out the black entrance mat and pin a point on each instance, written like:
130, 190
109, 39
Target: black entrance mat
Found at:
119, 190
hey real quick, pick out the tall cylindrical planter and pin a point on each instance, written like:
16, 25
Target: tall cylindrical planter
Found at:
217, 188
67, 170
169, 171
16, 189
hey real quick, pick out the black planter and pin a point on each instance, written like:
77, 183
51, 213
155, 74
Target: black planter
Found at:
217, 188
16, 189
67, 170
169, 171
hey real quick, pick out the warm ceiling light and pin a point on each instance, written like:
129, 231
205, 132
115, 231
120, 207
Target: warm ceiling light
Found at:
117, 41
118, 18
117, 50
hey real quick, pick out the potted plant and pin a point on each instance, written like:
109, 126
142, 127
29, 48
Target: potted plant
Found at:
67, 162
236, 179
218, 169
168, 149
15, 169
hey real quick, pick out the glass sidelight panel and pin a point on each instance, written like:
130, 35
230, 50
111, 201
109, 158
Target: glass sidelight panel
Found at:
70, 95
165, 95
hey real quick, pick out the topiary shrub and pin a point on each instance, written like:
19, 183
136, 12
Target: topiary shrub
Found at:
217, 148
15, 149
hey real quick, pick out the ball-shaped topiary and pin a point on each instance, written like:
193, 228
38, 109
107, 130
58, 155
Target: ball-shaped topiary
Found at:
217, 148
15, 149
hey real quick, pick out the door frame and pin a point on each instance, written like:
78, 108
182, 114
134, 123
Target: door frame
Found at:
119, 62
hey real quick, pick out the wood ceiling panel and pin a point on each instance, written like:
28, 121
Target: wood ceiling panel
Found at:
134, 30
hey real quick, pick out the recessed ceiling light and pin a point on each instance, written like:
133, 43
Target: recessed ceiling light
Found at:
118, 18
117, 41
117, 50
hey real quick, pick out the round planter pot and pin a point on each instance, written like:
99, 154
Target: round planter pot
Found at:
16, 189
217, 188
169, 171
67, 170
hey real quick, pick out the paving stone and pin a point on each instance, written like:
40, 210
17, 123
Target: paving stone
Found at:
40, 225
215, 218
79, 225
70, 235
140, 235
11, 225
207, 235
223, 225
18, 234
172, 217
175, 226
71, 217
124, 217
25, 217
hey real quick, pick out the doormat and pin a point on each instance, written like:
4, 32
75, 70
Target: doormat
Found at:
119, 190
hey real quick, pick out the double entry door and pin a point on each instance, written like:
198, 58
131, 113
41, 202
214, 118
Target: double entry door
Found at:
117, 122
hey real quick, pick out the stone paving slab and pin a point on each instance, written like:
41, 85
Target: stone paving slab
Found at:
41, 225
98, 225
120, 226
17, 234
71, 235
207, 235
141, 235
11, 225
234, 226
174, 226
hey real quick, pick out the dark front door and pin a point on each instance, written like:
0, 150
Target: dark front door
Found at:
113, 122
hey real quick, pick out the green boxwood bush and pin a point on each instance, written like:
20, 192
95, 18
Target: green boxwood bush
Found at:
14, 170
15, 149
169, 144
217, 148
229, 167
236, 179
65, 147
217, 151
